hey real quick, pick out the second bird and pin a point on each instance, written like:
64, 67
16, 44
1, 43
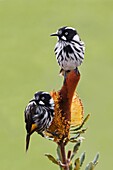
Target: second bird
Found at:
38, 114
69, 49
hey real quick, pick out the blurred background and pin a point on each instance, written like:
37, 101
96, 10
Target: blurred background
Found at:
28, 64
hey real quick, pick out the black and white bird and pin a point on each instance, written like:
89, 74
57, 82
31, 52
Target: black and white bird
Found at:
38, 114
69, 49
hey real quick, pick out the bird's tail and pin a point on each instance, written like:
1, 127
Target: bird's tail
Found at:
27, 141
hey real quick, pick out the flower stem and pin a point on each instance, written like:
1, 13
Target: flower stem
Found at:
63, 157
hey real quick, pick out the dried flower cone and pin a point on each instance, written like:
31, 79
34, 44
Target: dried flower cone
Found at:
77, 111
63, 99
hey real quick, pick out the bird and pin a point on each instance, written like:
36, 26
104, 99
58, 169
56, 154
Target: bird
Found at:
38, 114
69, 49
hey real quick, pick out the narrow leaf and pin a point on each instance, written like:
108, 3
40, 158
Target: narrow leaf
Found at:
58, 153
79, 131
77, 164
82, 158
75, 149
70, 167
51, 158
90, 166
95, 161
74, 141
75, 137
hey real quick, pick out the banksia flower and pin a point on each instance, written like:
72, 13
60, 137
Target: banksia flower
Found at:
68, 120
66, 124
66, 102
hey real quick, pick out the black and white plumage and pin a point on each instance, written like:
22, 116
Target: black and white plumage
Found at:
69, 49
38, 114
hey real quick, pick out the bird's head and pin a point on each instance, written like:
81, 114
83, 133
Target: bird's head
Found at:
43, 99
67, 34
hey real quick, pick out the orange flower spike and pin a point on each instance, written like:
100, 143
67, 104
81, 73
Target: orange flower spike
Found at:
63, 100
67, 92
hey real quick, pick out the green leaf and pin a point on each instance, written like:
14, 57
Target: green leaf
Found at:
95, 161
51, 158
90, 166
79, 132
73, 141
59, 158
75, 149
77, 164
58, 153
74, 137
71, 167
82, 158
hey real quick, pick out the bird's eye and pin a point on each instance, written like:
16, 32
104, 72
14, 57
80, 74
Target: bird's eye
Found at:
43, 98
60, 32
66, 33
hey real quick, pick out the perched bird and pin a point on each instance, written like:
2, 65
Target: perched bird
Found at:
69, 49
38, 114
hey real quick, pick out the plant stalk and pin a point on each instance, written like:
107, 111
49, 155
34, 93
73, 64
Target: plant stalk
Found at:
63, 157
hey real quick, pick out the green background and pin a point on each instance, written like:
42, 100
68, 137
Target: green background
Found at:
27, 65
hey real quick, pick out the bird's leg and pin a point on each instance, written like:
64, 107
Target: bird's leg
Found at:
61, 72
76, 70
42, 134
65, 74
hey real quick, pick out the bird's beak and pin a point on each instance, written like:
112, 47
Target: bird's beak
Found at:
33, 129
54, 34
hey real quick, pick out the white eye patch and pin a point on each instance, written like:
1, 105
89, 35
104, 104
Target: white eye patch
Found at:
41, 102
63, 37
76, 38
